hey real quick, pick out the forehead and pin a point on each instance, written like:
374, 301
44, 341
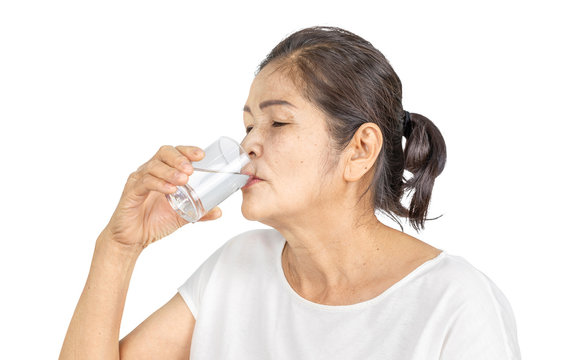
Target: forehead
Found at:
274, 82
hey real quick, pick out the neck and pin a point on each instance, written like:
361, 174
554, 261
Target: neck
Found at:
336, 252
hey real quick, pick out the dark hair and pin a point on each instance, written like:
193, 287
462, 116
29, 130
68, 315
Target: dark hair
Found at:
353, 83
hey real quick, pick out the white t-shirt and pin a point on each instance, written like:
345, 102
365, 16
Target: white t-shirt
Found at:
245, 309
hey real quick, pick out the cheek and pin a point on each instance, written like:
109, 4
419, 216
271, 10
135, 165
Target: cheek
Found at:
305, 174
299, 160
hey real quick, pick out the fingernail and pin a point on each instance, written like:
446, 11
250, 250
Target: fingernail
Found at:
186, 166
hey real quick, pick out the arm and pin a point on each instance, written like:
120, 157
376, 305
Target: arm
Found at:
95, 326
166, 334
142, 217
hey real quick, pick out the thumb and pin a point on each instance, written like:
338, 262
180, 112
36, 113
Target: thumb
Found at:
212, 214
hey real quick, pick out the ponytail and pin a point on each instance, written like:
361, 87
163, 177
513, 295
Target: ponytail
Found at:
424, 157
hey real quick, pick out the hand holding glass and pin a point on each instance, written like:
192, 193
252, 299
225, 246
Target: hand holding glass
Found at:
217, 176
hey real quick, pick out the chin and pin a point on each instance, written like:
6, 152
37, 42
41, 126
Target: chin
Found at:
249, 212
254, 212
247, 216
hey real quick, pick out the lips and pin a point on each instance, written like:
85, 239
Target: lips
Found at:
252, 180
252, 176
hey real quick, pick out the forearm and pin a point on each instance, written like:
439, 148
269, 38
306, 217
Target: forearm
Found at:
95, 326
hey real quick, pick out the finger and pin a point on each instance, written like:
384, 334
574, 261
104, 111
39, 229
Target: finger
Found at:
193, 153
165, 172
176, 159
144, 183
212, 214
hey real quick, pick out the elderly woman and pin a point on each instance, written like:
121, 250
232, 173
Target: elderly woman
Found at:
324, 123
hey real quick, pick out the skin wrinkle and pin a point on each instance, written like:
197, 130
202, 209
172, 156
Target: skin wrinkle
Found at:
267, 103
337, 251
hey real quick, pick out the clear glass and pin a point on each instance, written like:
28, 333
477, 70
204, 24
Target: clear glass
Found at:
217, 176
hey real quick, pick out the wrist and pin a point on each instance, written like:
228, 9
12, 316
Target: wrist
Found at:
107, 240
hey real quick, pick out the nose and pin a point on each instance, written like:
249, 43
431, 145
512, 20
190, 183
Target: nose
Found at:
252, 146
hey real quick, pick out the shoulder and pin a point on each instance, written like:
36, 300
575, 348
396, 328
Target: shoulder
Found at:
459, 277
471, 295
481, 320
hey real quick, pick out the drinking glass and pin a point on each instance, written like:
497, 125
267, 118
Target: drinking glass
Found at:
217, 176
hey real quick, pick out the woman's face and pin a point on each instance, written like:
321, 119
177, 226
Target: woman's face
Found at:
290, 149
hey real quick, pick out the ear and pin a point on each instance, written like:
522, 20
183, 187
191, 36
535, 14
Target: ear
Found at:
363, 150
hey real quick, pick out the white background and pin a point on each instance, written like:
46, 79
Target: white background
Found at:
90, 90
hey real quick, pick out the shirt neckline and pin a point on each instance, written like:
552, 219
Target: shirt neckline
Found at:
361, 305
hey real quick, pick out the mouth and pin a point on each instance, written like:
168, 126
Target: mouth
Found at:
252, 180
249, 173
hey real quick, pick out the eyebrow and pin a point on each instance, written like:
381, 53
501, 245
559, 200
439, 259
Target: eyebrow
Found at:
267, 103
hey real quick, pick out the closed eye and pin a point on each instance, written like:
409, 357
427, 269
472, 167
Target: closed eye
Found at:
274, 124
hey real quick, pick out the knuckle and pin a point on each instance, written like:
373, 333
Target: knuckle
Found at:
152, 163
155, 167
148, 180
134, 176
164, 148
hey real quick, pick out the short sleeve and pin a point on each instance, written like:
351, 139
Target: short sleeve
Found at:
194, 287
482, 328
